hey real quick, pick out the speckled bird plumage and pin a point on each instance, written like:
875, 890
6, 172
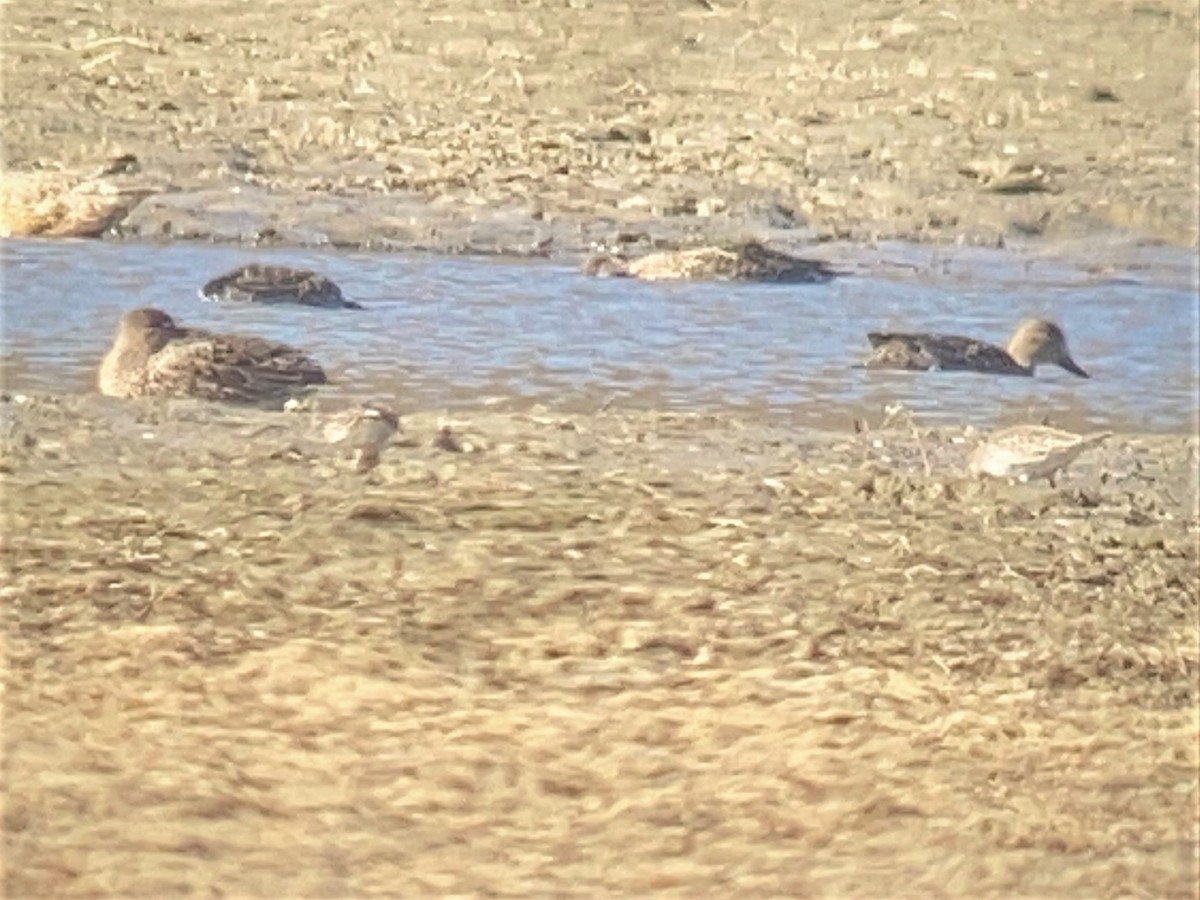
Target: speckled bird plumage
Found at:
276, 285
1035, 342
153, 356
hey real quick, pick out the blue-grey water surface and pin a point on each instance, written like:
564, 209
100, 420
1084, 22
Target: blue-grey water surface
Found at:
452, 332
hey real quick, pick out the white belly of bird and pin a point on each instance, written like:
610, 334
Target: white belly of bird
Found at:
1006, 462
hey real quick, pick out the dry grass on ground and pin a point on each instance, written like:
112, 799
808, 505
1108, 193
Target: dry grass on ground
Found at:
978, 121
624, 654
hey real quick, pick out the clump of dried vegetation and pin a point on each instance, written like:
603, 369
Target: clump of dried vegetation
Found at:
620, 654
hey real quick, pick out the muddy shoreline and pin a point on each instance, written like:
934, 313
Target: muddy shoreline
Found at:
623, 652
519, 128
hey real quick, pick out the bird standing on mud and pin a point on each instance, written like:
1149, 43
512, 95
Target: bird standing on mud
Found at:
64, 203
367, 429
152, 356
1024, 452
1035, 342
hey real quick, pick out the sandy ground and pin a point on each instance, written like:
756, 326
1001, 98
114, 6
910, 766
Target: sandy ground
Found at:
622, 654
497, 126
613, 654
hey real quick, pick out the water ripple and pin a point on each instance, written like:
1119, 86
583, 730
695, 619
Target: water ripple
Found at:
446, 332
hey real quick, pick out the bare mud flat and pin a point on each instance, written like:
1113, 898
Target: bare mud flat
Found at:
473, 125
619, 654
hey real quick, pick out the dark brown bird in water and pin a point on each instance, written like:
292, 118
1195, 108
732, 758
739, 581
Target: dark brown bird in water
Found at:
1035, 342
152, 356
276, 285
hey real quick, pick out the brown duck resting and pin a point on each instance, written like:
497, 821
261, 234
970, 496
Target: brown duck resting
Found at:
746, 261
152, 356
63, 204
276, 284
1035, 342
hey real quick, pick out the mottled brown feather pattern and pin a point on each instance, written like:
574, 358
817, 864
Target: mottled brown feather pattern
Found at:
152, 356
745, 261
1035, 342
270, 284
940, 351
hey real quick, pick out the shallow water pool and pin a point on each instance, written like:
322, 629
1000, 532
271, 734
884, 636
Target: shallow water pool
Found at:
451, 332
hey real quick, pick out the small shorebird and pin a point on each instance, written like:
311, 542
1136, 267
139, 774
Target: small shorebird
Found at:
153, 356
367, 429
68, 203
746, 261
1035, 342
1024, 452
276, 284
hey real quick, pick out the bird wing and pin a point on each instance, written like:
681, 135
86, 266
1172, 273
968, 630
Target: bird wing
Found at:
232, 368
760, 263
275, 284
940, 351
